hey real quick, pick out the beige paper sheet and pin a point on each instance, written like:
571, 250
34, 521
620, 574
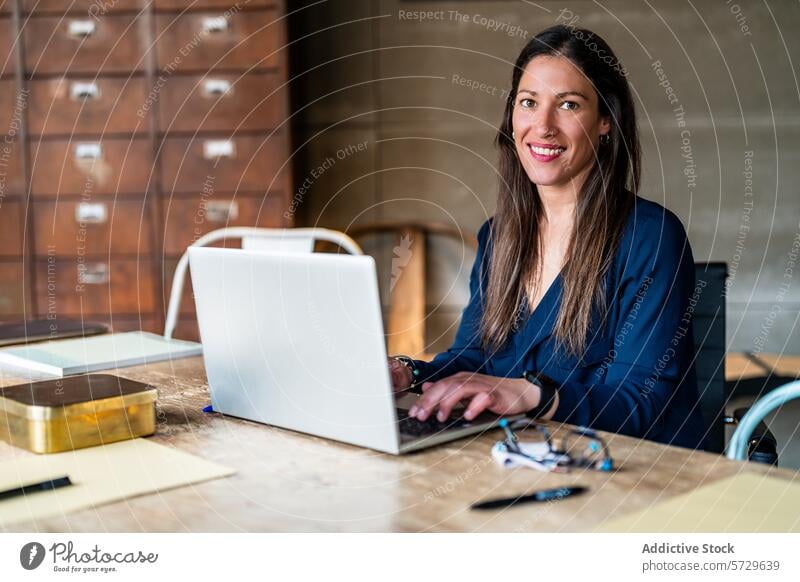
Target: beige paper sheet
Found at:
747, 502
99, 475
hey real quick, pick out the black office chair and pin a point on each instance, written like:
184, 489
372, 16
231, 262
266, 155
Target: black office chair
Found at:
710, 342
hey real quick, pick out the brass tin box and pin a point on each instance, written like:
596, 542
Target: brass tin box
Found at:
76, 412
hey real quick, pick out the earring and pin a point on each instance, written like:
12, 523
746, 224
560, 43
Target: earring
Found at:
512, 135
605, 139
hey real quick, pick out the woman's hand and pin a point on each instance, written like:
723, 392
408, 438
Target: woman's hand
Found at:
401, 375
498, 395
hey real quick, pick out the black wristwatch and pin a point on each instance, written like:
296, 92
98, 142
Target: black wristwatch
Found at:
415, 372
548, 389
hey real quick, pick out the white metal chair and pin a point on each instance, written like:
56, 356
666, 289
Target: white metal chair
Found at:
739, 444
253, 238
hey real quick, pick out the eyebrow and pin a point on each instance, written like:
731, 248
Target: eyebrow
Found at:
558, 95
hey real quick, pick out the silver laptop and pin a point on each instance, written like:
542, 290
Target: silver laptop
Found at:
296, 341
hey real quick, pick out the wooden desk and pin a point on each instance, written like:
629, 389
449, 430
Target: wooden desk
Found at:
292, 482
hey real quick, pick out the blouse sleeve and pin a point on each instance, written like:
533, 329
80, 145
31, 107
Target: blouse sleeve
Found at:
652, 341
466, 353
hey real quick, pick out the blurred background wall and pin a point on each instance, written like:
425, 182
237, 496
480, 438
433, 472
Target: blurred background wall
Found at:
395, 105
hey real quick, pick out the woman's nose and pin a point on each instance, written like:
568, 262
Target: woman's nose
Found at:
544, 122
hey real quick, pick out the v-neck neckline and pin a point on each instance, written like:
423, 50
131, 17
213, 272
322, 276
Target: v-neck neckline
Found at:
555, 282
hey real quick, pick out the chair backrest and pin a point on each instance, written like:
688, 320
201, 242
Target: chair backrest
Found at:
406, 313
710, 347
280, 239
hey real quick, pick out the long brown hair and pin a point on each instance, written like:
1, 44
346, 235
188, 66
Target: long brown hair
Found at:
604, 201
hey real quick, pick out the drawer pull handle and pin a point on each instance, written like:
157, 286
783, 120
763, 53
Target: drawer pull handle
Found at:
93, 274
215, 24
222, 211
91, 213
216, 87
88, 151
218, 148
81, 28
80, 91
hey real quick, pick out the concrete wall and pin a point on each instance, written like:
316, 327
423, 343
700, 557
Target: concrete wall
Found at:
423, 98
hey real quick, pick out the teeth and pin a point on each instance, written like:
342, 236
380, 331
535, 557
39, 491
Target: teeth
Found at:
547, 151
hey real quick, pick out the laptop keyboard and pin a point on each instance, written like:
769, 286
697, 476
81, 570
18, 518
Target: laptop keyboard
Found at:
411, 427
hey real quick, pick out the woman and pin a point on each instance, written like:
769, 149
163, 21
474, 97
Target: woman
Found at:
580, 293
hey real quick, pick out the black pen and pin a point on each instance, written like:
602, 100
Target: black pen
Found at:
537, 496
36, 487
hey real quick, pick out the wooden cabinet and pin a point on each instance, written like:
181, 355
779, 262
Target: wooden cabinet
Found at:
127, 130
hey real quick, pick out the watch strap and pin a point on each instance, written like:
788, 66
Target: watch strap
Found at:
548, 389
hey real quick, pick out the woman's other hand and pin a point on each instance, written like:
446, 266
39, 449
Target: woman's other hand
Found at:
497, 395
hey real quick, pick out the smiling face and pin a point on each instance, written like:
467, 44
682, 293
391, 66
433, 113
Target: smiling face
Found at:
557, 125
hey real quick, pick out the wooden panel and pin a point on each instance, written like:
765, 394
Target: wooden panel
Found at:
122, 166
8, 39
12, 106
74, 228
239, 163
12, 178
11, 228
406, 325
121, 286
57, 106
93, 8
111, 44
187, 219
194, 103
201, 4
11, 292
210, 40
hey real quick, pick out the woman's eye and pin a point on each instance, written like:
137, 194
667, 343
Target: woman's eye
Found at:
569, 105
527, 103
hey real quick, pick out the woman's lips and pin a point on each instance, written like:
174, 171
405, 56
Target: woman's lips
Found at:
545, 154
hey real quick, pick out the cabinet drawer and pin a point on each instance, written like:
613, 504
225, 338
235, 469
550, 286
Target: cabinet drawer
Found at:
12, 178
221, 103
73, 228
82, 44
12, 222
12, 108
12, 294
108, 166
75, 288
233, 164
93, 8
8, 37
187, 219
81, 106
200, 41
201, 4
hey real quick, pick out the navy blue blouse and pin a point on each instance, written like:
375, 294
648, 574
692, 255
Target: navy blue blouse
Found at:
636, 374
